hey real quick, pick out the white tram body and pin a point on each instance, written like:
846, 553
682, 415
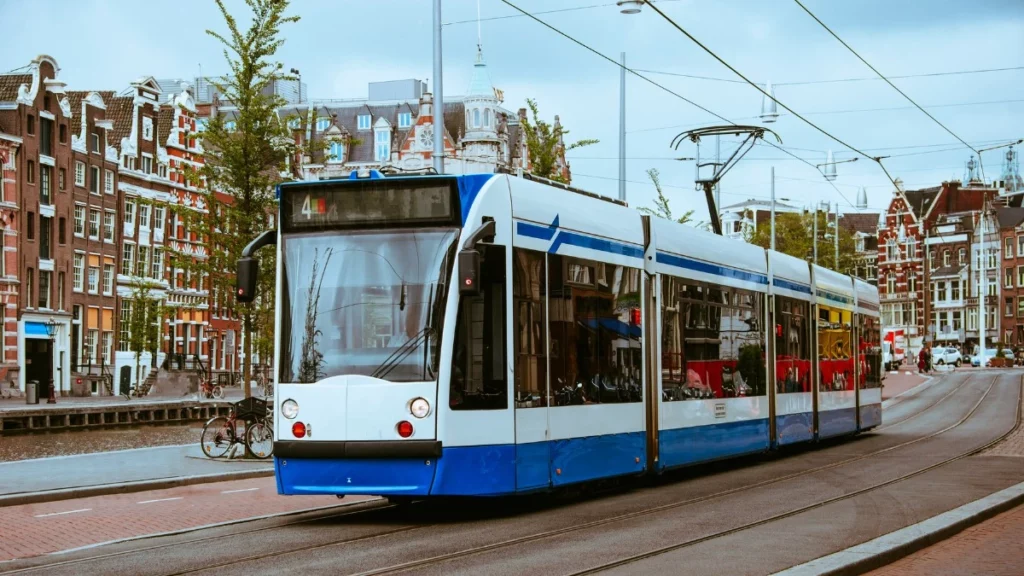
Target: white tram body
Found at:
596, 343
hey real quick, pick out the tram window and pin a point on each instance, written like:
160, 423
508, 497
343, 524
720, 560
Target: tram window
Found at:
869, 351
528, 290
835, 361
792, 346
712, 348
478, 379
595, 351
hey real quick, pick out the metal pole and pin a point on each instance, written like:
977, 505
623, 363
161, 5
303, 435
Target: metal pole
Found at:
718, 189
835, 237
982, 267
622, 128
438, 93
773, 208
814, 240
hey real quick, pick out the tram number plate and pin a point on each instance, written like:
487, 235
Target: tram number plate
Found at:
720, 410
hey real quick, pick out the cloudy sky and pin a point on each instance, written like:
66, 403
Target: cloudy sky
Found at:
341, 45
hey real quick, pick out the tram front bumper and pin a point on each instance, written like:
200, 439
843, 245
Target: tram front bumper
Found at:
387, 468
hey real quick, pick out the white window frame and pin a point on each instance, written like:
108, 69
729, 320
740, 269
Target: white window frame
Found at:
99, 224
79, 220
363, 122
95, 182
108, 279
337, 151
78, 275
92, 288
108, 226
147, 164
108, 182
128, 257
158, 218
79, 173
382, 147
322, 124
404, 119
129, 213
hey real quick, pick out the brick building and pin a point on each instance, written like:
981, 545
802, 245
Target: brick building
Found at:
34, 108
9, 367
1011, 232
901, 262
93, 231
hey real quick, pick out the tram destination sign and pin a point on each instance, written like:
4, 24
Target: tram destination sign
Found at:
369, 203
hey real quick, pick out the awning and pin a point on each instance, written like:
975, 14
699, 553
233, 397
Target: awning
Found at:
36, 330
616, 326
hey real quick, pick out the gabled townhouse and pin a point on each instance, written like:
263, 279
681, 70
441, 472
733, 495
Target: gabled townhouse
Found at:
9, 367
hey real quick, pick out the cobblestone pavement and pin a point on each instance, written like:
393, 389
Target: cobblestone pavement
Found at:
1012, 445
36, 529
45, 445
992, 548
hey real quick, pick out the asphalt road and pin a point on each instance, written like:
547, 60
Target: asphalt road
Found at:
755, 516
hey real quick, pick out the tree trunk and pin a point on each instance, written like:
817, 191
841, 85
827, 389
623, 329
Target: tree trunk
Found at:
247, 350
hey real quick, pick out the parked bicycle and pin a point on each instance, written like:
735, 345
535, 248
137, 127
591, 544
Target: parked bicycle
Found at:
222, 433
265, 384
210, 390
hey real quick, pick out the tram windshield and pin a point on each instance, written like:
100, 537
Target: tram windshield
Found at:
366, 302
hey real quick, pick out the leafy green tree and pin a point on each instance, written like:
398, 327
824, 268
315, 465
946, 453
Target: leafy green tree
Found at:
145, 317
793, 236
661, 204
545, 143
245, 158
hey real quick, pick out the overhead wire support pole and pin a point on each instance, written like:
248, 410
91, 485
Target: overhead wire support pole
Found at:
438, 93
622, 128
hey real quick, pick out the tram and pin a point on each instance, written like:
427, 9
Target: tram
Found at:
490, 335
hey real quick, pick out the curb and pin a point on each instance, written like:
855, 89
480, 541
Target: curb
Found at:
891, 547
127, 487
925, 384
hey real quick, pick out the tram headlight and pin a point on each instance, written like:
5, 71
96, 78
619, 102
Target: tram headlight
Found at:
419, 408
289, 409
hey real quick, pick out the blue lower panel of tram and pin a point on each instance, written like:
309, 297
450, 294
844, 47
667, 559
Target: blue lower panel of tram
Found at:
794, 428
870, 416
837, 422
692, 445
469, 470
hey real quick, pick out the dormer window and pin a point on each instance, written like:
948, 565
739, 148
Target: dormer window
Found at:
322, 124
230, 125
363, 122
383, 145
337, 151
405, 120
95, 140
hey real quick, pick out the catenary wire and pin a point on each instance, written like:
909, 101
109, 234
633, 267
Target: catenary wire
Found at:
665, 88
837, 80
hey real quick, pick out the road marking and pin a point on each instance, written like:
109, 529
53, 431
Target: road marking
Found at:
161, 500
242, 490
62, 513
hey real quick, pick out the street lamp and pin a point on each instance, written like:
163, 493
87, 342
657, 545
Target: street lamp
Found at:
830, 166
51, 331
630, 6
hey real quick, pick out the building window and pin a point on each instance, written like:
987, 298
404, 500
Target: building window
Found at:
962, 256
147, 128
125, 334
972, 315
80, 174
147, 165
79, 221
128, 259
487, 118
44, 289
108, 279
108, 182
945, 257
30, 175
1020, 306
322, 124
476, 117
29, 277
955, 289
94, 140
405, 119
383, 145
79, 271
89, 347
61, 178
45, 231
30, 232
108, 227
129, 214
957, 321
1007, 247
143, 216
158, 264
911, 282
94, 224
143, 267
94, 182
337, 151
108, 347
61, 233
1020, 246
158, 218
161, 170
363, 122
294, 123
45, 173
63, 131
94, 280
890, 283
1020, 276
60, 290
30, 125
129, 163
1007, 308
992, 257
942, 292
230, 125
1008, 277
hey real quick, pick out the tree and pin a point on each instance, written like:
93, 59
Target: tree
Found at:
145, 315
545, 143
243, 162
793, 233
661, 207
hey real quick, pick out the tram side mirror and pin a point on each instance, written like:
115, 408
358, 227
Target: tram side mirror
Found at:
245, 279
469, 272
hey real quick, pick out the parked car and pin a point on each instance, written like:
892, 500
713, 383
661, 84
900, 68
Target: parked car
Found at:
989, 355
943, 355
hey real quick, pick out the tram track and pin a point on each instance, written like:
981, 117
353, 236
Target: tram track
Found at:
436, 560
380, 507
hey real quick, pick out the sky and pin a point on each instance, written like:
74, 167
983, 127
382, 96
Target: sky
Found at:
341, 45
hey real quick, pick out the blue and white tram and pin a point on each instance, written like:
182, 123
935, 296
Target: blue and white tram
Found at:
491, 335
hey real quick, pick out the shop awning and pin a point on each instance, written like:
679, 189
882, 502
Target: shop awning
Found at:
35, 330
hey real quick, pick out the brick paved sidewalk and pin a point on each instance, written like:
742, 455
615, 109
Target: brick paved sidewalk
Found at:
992, 548
1012, 445
36, 529
18, 404
898, 383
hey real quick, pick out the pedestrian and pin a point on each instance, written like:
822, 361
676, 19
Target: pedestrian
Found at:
922, 359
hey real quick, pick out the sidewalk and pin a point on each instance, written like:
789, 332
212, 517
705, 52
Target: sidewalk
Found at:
63, 477
18, 404
902, 381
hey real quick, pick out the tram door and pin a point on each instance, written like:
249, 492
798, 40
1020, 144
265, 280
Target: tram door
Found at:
529, 319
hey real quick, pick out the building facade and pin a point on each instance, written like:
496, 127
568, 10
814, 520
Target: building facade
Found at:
9, 367
1011, 232
901, 277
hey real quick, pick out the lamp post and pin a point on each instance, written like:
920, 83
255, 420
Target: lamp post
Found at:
51, 331
630, 6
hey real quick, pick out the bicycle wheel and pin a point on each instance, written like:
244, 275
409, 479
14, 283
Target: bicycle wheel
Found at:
218, 392
217, 437
259, 438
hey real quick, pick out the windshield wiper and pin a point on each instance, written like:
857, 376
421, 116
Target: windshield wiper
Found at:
401, 353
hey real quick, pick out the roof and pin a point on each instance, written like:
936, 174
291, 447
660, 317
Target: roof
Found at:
121, 110
752, 203
1010, 217
951, 270
480, 83
164, 122
921, 200
860, 222
9, 84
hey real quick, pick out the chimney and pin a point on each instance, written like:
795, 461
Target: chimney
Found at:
427, 105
